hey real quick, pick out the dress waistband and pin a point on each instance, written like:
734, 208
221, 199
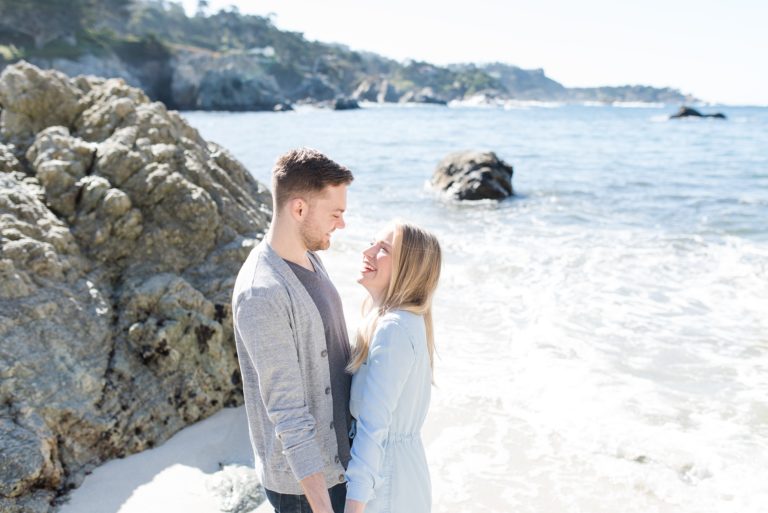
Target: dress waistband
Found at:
391, 438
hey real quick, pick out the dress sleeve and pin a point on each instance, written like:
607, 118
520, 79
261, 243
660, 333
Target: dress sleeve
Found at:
391, 357
268, 339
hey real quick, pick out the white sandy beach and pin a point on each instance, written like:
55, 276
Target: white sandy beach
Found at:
205, 468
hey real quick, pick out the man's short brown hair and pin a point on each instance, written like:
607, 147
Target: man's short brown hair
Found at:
305, 171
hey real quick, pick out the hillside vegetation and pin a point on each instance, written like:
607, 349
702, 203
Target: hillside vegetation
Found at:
232, 61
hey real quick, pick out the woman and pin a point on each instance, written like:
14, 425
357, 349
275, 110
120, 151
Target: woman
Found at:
392, 366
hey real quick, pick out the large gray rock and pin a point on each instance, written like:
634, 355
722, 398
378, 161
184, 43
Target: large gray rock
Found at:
473, 175
121, 233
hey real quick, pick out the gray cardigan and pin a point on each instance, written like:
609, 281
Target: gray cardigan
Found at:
281, 348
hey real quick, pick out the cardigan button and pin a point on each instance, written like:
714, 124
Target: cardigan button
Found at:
332, 424
324, 353
336, 459
341, 478
327, 390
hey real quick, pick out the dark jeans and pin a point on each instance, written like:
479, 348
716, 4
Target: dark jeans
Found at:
286, 503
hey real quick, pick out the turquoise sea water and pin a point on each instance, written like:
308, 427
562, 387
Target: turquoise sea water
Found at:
603, 336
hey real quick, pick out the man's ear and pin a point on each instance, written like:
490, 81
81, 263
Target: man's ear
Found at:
298, 208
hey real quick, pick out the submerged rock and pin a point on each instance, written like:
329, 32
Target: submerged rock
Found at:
473, 175
121, 233
688, 112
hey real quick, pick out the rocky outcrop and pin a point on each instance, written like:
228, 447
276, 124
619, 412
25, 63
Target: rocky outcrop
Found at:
235, 61
688, 112
102, 66
313, 88
121, 233
189, 78
425, 95
144, 64
235, 82
473, 175
376, 90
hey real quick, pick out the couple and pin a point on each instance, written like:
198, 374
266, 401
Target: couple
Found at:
335, 429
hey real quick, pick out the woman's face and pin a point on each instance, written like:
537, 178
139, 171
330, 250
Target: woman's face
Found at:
377, 265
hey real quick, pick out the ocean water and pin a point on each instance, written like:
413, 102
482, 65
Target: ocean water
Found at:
602, 336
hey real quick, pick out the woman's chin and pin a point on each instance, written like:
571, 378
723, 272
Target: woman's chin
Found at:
363, 280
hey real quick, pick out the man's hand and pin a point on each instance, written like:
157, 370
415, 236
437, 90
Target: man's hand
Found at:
316, 493
354, 506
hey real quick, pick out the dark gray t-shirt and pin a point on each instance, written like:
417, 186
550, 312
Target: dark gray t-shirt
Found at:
328, 303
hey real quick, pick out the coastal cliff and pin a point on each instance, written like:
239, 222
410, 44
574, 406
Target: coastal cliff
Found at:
121, 233
230, 61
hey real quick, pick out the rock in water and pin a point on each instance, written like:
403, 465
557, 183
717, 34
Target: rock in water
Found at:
121, 234
345, 104
425, 95
474, 175
688, 112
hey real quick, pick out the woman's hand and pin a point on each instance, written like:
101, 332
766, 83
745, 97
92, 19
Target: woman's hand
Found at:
354, 506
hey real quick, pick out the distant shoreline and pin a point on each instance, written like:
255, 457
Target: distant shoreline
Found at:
235, 62
667, 108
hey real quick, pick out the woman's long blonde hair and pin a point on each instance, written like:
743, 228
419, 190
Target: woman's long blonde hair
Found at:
416, 262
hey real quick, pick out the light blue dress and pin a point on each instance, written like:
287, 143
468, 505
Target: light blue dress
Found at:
389, 400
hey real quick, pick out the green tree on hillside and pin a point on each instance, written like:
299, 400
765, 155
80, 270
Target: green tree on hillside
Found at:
42, 21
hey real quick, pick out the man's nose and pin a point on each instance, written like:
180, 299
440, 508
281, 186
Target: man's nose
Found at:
340, 223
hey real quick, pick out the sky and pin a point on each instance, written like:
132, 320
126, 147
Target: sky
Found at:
714, 50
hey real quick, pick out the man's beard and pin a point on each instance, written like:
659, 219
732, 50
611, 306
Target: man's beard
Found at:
311, 241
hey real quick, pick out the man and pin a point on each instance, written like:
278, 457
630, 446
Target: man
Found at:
292, 342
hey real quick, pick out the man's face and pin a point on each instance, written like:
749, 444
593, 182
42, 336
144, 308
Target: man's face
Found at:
325, 213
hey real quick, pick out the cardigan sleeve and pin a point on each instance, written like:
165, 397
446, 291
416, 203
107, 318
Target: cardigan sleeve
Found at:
391, 357
268, 339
